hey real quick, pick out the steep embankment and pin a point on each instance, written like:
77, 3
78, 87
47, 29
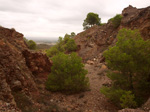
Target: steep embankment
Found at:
19, 68
95, 40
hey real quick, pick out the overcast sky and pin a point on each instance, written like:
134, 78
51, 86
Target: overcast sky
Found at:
47, 19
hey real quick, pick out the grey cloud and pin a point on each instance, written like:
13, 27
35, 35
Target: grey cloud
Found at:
54, 18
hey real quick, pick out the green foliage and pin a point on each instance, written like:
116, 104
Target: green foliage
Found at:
70, 45
116, 20
67, 74
66, 44
120, 97
72, 34
128, 100
30, 43
85, 25
52, 51
91, 19
119, 80
113, 94
130, 59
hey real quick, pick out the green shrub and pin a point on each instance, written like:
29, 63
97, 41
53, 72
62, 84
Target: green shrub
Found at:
113, 94
30, 43
52, 51
130, 59
72, 34
116, 20
128, 100
67, 74
66, 44
70, 46
119, 97
91, 19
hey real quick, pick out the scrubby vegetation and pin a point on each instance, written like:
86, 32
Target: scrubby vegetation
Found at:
129, 63
31, 44
67, 74
66, 44
116, 20
91, 19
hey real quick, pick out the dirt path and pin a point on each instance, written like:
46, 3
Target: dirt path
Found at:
89, 101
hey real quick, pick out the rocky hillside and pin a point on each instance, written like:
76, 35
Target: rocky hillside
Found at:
95, 40
19, 68
23, 72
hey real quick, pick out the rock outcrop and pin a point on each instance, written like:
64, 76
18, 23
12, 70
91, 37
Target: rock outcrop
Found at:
38, 63
95, 40
18, 66
134, 18
92, 42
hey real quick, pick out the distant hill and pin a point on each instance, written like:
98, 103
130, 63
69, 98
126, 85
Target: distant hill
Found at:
43, 39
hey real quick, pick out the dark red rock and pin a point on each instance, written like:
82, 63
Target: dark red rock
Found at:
15, 72
37, 62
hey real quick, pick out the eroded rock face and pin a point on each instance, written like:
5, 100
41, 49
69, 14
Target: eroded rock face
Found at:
15, 74
134, 18
37, 62
95, 40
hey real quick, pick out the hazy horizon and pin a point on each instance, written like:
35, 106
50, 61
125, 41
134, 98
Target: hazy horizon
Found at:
43, 38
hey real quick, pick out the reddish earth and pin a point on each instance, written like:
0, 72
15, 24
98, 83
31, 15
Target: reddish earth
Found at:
91, 100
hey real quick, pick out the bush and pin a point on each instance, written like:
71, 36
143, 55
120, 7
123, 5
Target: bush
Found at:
67, 74
91, 19
120, 97
113, 94
128, 100
66, 45
116, 20
30, 43
130, 60
52, 51
70, 45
